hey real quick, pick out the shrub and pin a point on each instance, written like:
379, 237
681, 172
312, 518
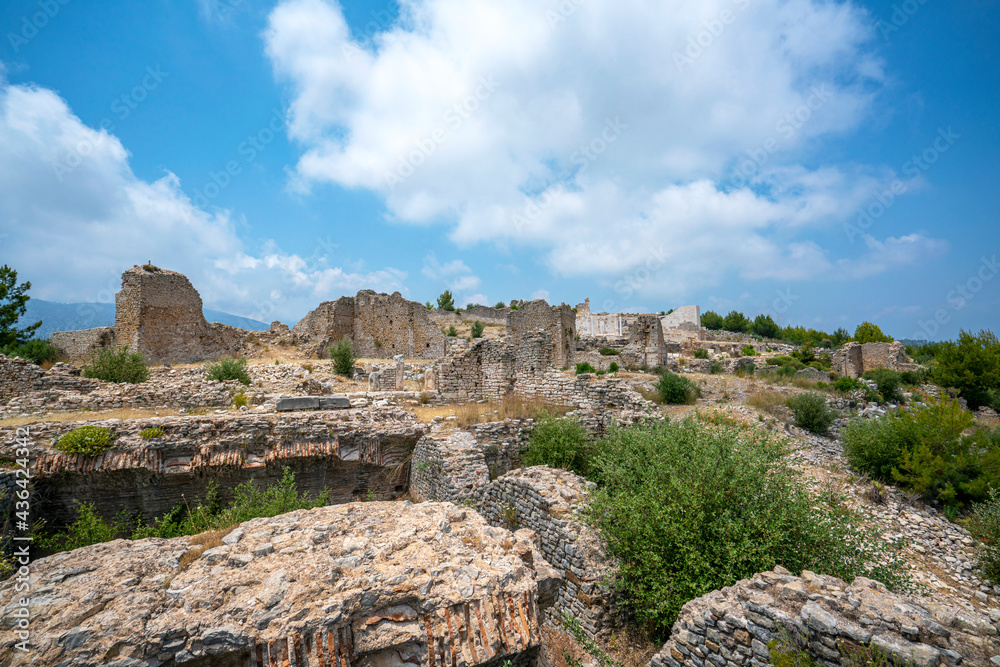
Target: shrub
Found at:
712, 320
846, 385
811, 412
701, 353
610, 352
88, 528
500, 304
888, 383
117, 365
984, 524
151, 432
559, 443
866, 332
613, 367
930, 450
687, 508
585, 367
477, 329
446, 301
715, 368
86, 440
971, 365
342, 354
914, 378
36, 351
677, 390
736, 322
748, 351
240, 400
228, 368
452, 332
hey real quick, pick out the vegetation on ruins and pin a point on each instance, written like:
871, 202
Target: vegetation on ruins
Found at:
866, 332
712, 320
748, 351
701, 353
676, 389
13, 303
477, 329
151, 433
342, 355
889, 384
609, 352
613, 367
500, 304
585, 367
36, 351
972, 365
559, 443
452, 332
688, 507
207, 514
984, 524
86, 440
765, 327
228, 368
446, 301
715, 368
736, 322
811, 412
117, 364
932, 449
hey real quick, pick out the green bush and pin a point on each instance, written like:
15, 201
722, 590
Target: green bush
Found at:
914, 378
748, 351
88, 528
701, 353
86, 440
151, 432
240, 400
984, 524
811, 412
931, 449
36, 351
846, 385
613, 367
866, 332
736, 322
765, 327
559, 443
610, 352
117, 365
477, 329
715, 368
676, 389
585, 367
452, 332
687, 508
342, 355
888, 382
712, 320
971, 365
446, 301
228, 368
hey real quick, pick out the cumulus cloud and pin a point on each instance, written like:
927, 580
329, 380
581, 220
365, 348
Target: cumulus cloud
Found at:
73, 216
614, 135
456, 276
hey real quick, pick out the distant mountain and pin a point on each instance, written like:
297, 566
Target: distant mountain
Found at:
73, 316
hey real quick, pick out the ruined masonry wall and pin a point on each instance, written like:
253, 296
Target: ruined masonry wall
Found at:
685, 317
853, 360
829, 619
487, 315
84, 343
558, 321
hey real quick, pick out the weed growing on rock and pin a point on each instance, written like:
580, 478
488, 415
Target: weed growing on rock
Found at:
609, 352
86, 440
585, 367
811, 412
452, 332
984, 524
151, 433
613, 367
688, 508
228, 368
117, 365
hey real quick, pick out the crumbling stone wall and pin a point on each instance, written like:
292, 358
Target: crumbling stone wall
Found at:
558, 321
685, 317
380, 326
829, 619
82, 344
22, 381
646, 348
549, 502
853, 360
159, 313
487, 315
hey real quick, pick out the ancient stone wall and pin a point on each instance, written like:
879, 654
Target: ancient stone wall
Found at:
685, 317
356, 585
23, 385
830, 620
558, 321
853, 360
350, 453
330, 321
487, 315
646, 348
548, 502
82, 344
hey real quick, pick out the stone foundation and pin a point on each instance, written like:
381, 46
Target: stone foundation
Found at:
853, 360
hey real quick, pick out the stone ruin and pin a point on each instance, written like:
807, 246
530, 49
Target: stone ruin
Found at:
157, 313
680, 326
854, 359
378, 325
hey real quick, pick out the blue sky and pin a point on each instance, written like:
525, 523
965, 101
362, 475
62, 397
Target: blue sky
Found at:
645, 154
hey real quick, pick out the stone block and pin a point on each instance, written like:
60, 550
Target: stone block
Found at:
334, 403
297, 403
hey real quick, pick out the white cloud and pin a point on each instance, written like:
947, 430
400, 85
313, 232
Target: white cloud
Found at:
488, 115
540, 294
75, 216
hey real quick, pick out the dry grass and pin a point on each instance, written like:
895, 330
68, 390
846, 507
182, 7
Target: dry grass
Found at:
87, 415
650, 395
629, 647
771, 402
510, 407
200, 544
